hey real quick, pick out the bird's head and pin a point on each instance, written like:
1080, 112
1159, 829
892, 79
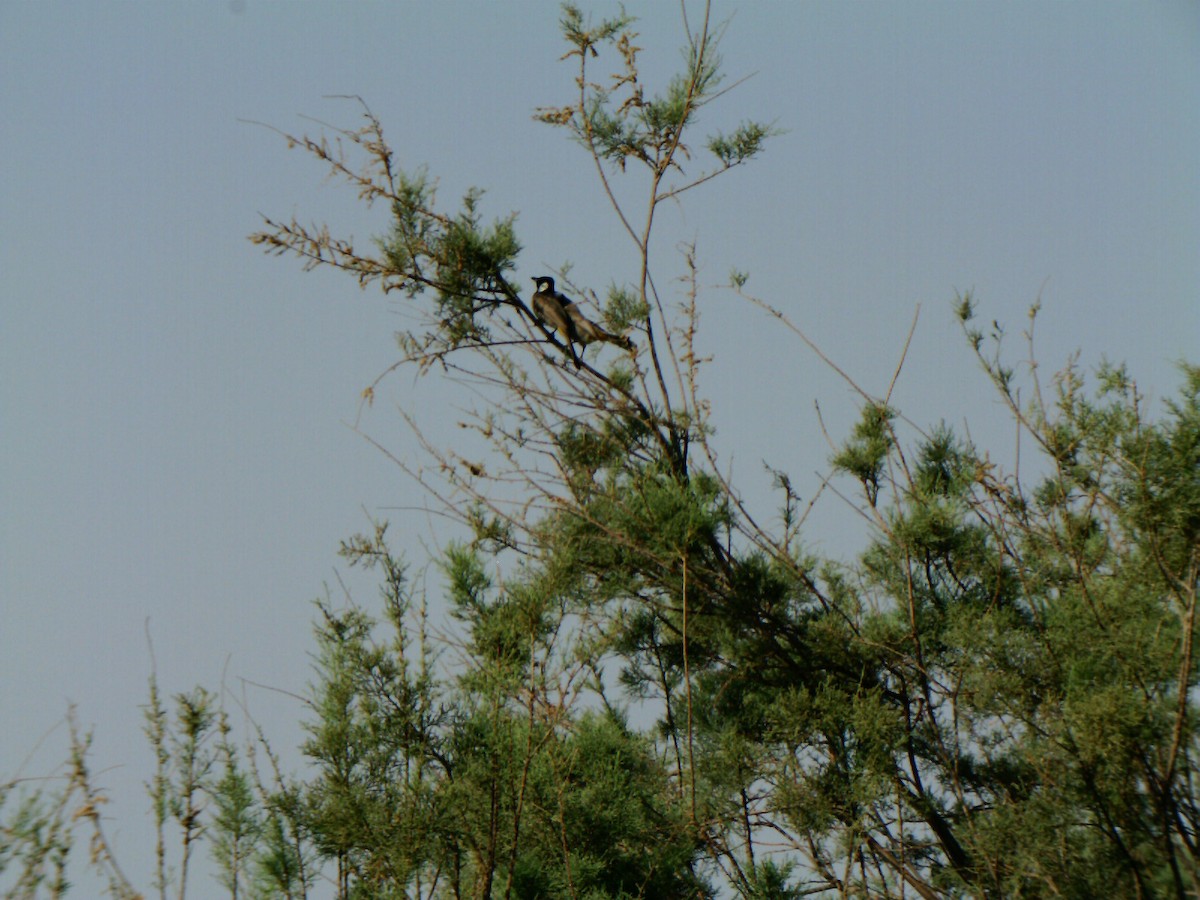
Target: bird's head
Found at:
544, 283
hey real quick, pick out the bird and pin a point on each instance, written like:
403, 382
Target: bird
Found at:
551, 307
560, 313
548, 305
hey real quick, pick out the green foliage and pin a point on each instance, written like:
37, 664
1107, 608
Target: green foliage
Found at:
236, 824
639, 689
462, 260
43, 819
769, 881
621, 121
743, 144
480, 780
866, 453
624, 308
35, 842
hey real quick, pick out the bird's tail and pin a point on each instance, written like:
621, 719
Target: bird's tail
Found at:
620, 340
616, 340
589, 332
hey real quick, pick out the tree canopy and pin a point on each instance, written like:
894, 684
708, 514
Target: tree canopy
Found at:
645, 690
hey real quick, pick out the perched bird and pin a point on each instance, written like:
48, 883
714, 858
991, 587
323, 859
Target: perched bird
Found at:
561, 314
549, 306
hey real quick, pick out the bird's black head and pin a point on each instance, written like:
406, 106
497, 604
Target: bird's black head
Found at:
544, 283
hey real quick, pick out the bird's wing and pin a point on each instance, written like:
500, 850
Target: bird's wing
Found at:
550, 310
587, 330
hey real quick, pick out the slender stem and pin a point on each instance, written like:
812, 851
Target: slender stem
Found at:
687, 680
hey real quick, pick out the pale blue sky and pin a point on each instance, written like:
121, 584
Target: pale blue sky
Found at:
174, 404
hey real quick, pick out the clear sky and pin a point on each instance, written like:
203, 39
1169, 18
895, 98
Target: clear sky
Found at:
174, 406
